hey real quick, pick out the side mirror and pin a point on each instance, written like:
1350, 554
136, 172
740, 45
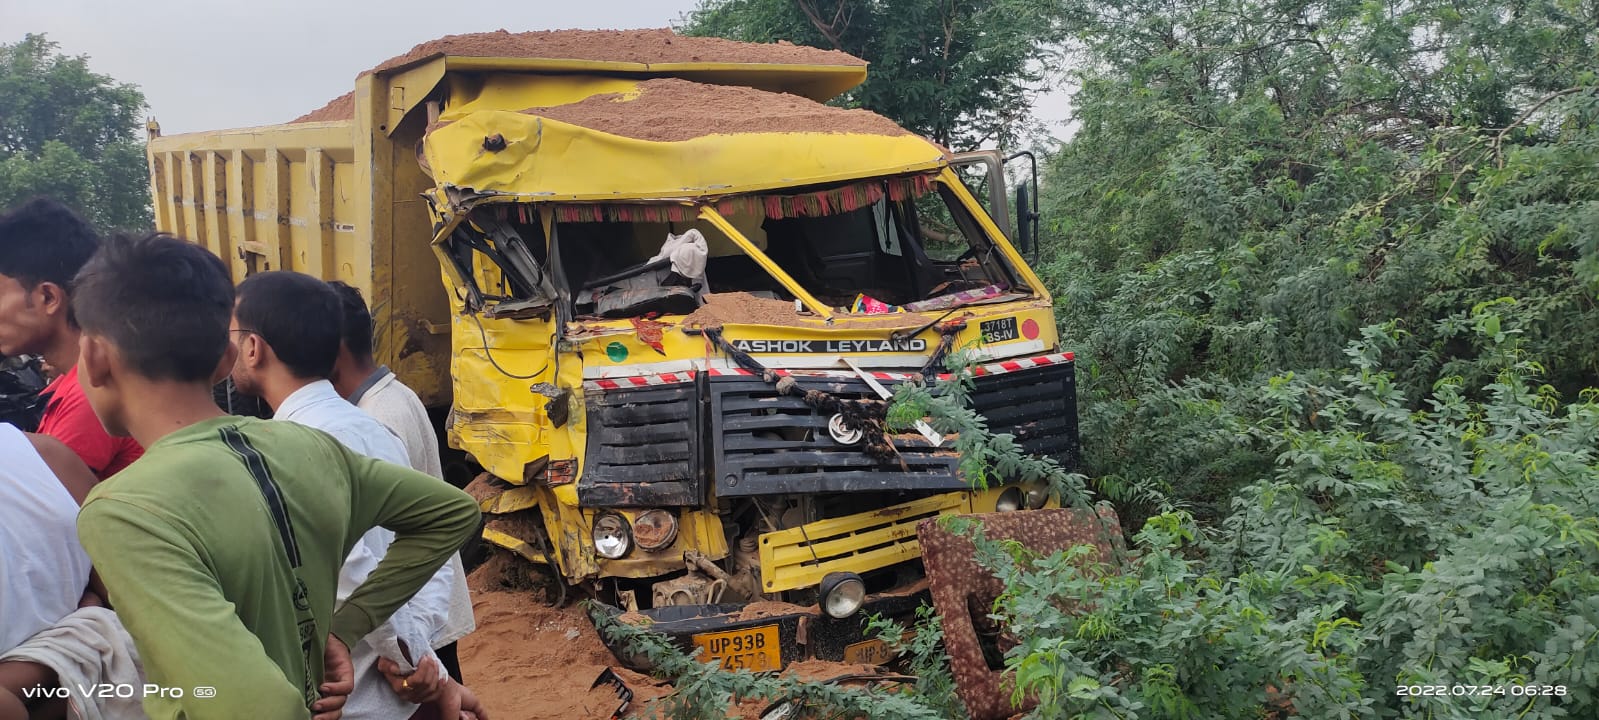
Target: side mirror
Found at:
1027, 209
1026, 222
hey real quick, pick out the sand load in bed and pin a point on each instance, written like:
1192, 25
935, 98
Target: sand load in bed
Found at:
672, 110
647, 46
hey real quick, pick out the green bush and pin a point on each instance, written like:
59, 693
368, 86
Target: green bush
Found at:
1454, 546
1385, 548
1252, 182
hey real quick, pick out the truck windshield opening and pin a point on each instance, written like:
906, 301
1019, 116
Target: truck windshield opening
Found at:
631, 261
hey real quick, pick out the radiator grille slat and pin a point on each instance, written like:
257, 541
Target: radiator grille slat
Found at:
643, 447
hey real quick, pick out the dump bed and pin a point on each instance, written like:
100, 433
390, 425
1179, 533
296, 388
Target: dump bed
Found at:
340, 197
322, 199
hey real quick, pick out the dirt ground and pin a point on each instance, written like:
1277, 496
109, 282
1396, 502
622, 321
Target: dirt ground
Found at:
528, 661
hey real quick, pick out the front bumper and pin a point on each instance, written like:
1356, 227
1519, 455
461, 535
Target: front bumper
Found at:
803, 634
801, 556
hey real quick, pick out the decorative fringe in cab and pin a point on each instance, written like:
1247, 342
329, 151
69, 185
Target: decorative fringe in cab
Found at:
847, 198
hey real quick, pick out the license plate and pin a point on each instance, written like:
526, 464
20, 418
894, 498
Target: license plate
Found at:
754, 649
873, 652
998, 331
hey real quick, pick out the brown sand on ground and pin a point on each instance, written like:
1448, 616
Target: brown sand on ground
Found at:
527, 660
501, 572
655, 45
673, 110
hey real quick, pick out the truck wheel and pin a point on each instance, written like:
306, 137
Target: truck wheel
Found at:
233, 402
474, 552
515, 571
506, 571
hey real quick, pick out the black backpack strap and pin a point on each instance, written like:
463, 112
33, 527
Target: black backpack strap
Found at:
256, 464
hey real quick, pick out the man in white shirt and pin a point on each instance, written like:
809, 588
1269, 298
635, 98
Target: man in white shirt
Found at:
357, 377
44, 572
43, 569
287, 327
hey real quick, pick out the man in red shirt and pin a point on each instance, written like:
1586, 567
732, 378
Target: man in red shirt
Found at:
42, 246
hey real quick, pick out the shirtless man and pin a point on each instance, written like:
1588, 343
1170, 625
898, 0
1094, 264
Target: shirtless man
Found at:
43, 569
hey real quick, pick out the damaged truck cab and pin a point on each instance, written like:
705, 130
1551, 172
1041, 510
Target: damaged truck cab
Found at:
678, 296
666, 360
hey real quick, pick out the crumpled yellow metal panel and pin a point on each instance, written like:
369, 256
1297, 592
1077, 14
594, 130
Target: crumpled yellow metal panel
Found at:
514, 544
499, 415
469, 94
547, 159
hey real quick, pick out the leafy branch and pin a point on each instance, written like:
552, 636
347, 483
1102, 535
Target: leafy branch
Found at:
705, 689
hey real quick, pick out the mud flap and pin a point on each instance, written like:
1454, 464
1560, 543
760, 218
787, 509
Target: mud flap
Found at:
963, 591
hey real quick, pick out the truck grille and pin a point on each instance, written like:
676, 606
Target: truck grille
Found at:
1037, 405
646, 445
764, 443
643, 447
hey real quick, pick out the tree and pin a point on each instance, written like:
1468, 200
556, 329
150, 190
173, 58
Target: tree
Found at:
71, 133
962, 72
1331, 271
1253, 181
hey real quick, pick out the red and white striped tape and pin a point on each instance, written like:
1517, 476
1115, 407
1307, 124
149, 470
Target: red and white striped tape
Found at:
998, 368
1005, 366
640, 381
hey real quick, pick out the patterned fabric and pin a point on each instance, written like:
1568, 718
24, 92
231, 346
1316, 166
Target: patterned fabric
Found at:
833, 201
963, 591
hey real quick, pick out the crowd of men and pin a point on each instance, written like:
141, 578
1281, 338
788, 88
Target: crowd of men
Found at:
219, 566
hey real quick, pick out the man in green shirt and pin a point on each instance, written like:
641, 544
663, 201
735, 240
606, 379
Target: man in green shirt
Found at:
221, 547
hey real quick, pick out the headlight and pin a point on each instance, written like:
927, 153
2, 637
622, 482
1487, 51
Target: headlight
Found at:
654, 529
612, 539
842, 594
1037, 495
1009, 501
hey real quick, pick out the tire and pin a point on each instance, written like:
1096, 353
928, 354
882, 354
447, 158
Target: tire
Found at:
474, 552
233, 402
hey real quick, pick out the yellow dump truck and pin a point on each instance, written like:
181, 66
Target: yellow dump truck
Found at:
663, 298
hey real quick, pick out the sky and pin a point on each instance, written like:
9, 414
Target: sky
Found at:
208, 65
